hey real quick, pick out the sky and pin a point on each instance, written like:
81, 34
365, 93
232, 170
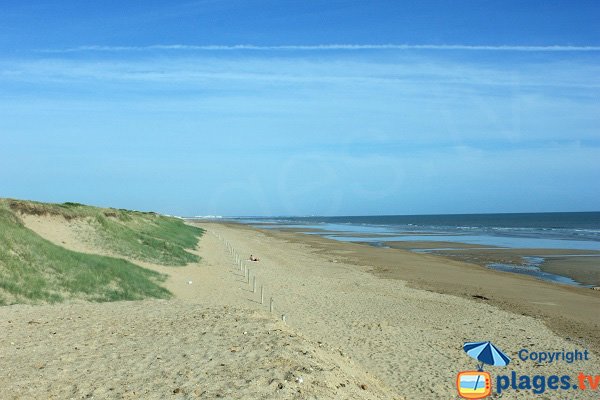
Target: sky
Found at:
270, 108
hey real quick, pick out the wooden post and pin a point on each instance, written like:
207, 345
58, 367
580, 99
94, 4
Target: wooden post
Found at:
262, 294
271, 305
248, 277
254, 284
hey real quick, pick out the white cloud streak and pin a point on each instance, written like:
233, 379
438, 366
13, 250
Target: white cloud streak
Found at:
420, 100
326, 47
281, 71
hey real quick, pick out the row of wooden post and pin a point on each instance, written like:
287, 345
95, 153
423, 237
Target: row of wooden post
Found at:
244, 268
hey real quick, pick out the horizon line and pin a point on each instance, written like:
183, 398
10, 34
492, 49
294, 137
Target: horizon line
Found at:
380, 215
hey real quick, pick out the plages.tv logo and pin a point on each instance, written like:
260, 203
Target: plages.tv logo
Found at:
477, 384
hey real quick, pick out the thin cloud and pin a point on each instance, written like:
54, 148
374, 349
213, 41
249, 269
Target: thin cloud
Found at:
357, 47
411, 76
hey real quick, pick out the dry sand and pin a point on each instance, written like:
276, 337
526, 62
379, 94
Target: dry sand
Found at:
346, 322
159, 349
208, 343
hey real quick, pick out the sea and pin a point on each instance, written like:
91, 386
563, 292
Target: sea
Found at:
558, 230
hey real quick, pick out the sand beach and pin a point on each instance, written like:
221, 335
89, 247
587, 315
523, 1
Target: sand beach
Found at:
360, 322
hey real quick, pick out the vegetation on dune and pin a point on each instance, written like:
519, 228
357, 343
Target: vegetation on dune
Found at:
144, 236
34, 270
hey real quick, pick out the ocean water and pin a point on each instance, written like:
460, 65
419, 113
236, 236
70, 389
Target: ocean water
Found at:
564, 231
576, 231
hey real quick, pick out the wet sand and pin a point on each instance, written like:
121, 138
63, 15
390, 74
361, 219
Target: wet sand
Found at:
406, 245
581, 265
582, 269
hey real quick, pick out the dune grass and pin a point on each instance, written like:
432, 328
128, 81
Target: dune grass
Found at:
138, 235
34, 270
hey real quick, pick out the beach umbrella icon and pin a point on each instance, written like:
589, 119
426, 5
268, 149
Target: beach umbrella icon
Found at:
486, 353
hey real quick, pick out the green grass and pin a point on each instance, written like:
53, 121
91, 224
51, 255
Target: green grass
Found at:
34, 270
155, 239
139, 235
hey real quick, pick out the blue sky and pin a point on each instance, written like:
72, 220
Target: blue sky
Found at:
302, 107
